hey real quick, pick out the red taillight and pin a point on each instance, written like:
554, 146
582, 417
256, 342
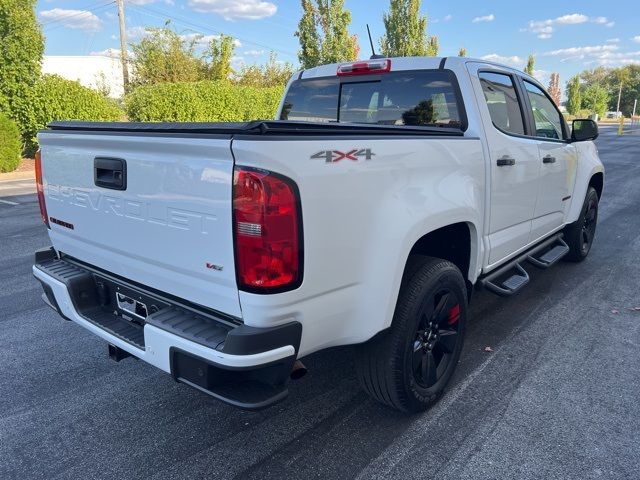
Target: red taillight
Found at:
365, 67
40, 189
267, 231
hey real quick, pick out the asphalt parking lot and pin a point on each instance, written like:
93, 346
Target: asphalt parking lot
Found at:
558, 397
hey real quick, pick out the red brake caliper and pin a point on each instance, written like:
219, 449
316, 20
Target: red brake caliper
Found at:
454, 314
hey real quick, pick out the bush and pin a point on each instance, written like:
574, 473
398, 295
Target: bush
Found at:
10, 145
205, 101
55, 98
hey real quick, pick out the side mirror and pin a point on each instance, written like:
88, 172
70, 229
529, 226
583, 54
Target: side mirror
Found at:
584, 129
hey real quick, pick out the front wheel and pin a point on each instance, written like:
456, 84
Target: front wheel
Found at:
408, 366
579, 235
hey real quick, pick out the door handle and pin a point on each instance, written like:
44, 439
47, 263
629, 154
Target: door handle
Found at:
548, 159
506, 161
110, 173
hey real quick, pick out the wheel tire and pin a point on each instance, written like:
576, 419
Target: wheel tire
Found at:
579, 234
429, 322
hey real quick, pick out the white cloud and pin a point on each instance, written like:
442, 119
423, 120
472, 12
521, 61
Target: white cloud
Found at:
544, 29
614, 59
603, 21
447, 18
543, 76
486, 18
580, 52
74, 19
571, 19
636, 39
147, 2
110, 52
254, 53
136, 33
613, 40
204, 40
235, 9
513, 61
237, 62
596, 55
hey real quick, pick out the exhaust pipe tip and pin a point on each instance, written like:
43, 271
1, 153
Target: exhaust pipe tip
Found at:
298, 371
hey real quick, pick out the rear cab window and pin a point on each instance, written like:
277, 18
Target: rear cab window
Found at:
416, 98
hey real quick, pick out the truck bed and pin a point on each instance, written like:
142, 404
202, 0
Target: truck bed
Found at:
260, 127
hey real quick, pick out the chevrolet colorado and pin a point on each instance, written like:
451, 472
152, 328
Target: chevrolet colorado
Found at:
385, 191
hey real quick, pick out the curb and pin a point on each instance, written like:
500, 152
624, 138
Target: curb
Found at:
7, 177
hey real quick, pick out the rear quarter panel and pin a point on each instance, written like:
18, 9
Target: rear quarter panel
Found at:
360, 221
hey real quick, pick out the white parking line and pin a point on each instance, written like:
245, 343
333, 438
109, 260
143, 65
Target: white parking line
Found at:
17, 180
8, 202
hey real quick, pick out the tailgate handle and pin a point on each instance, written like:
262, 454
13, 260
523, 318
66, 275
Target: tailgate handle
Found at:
110, 173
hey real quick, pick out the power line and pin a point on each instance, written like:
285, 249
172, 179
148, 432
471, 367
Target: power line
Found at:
180, 20
60, 22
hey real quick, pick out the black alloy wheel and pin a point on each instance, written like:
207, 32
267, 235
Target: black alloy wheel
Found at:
436, 339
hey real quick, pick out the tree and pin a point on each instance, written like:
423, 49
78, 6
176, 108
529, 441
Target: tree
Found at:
21, 49
611, 79
531, 61
217, 58
574, 95
165, 56
309, 54
433, 46
596, 98
422, 114
324, 34
272, 74
554, 88
622, 77
462, 52
406, 31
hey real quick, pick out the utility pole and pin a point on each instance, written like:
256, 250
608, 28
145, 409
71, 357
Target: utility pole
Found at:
619, 95
123, 45
635, 104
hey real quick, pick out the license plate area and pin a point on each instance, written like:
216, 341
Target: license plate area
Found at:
128, 303
131, 305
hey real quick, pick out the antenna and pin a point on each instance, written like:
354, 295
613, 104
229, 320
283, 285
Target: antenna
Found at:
373, 50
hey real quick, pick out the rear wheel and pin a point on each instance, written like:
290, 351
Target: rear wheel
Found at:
408, 366
579, 235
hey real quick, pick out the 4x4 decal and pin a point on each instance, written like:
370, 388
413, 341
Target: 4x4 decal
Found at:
334, 156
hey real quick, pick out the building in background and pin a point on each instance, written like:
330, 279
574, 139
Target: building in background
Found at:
100, 72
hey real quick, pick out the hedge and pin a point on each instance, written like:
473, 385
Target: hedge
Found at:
10, 145
55, 98
205, 101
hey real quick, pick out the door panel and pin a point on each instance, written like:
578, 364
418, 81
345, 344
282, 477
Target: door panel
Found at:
558, 162
555, 186
514, 187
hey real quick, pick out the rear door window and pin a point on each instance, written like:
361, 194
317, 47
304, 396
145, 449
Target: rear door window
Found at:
502, 101
425, 98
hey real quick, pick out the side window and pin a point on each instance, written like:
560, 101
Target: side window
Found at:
545, 114
502, 100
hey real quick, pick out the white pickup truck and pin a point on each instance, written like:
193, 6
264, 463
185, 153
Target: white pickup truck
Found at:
365, 215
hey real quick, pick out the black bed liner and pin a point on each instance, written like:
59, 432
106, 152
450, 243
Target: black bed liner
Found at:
260, 127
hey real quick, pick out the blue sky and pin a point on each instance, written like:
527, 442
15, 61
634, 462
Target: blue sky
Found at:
565, 36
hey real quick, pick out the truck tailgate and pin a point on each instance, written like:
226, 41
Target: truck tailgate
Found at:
170, 228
